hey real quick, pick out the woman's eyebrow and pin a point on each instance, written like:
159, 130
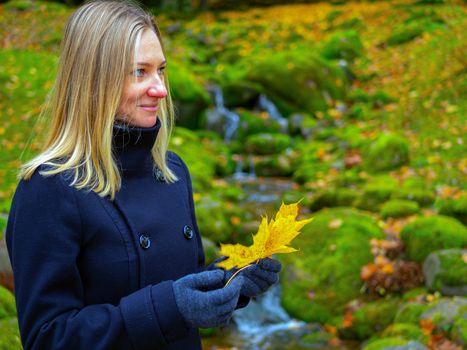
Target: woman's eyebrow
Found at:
150, 64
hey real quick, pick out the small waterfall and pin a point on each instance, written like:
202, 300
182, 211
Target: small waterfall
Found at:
268, 106
264, 324
240, 175
232, 119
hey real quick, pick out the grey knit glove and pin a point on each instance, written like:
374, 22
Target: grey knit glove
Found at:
202, 300
258, 277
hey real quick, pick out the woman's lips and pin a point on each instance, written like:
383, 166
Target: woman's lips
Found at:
149, 108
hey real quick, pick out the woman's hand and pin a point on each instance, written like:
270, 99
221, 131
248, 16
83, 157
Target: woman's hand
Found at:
203, 301
258, 277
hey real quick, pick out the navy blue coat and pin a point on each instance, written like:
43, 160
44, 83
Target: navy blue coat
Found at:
91, 273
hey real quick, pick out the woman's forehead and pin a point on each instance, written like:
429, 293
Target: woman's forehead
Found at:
148, 50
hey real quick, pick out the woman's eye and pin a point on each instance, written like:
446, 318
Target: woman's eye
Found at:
160, 71
138, 72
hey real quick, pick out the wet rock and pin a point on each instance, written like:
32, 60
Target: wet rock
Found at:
428, 234
446, 271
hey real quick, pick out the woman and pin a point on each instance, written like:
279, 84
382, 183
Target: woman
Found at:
102, 233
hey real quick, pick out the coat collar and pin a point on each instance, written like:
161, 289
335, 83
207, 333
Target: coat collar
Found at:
132, 145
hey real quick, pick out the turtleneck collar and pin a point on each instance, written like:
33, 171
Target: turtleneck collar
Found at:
132, 145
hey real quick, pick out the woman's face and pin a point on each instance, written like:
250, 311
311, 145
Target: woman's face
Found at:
144, 85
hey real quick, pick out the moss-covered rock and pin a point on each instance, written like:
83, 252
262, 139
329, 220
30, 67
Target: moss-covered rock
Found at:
424, 197
399, 208
375, 193
443, 312
455, 207
407, 331
254, 123
446, 271
265, 143
339, 197
9, 334
459, 331
382, 344
188, 94
343, 45
427, 234
274, 165
410, 313
325, 274
7, 303
298, 80
387, 152
241, 93
370, 319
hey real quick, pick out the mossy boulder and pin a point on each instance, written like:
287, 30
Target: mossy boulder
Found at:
424, 197
188, 94
274, 165
212, 221
343, 45
459, 330
375, 193
9, 334
410, 313
387, 152
298, 80
399, 208
369, 319
204, 154
255, 123
445, 311
267, 143
427, 234
446, 271
339, 197
241, 93
325, 274
455, 207
407, 331
394, 343
7, 303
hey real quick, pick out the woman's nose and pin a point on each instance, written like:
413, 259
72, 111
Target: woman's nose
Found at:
157, 89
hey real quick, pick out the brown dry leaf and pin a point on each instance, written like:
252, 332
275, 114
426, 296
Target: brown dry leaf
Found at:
272, 238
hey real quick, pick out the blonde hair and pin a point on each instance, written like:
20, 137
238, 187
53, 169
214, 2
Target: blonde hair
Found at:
96, 53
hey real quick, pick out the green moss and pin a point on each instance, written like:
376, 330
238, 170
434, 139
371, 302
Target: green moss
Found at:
399, 208
241, 93
267, 143
325, 274
9, 334
299, 78
452, 270
343, 45
410, 313
188, 94
427, 234
387, 152
374, 195
7, 303
459, 331
251, 123
456, 208
383, 343
422, 196
212, 220
340, 197
413, 293
275, 165
407, 331
370, 319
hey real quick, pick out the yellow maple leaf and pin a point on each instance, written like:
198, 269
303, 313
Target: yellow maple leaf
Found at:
272, 237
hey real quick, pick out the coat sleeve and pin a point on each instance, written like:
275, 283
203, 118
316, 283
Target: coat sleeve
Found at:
44, 242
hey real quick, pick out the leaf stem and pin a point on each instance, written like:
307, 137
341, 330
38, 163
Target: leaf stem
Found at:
236, 273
